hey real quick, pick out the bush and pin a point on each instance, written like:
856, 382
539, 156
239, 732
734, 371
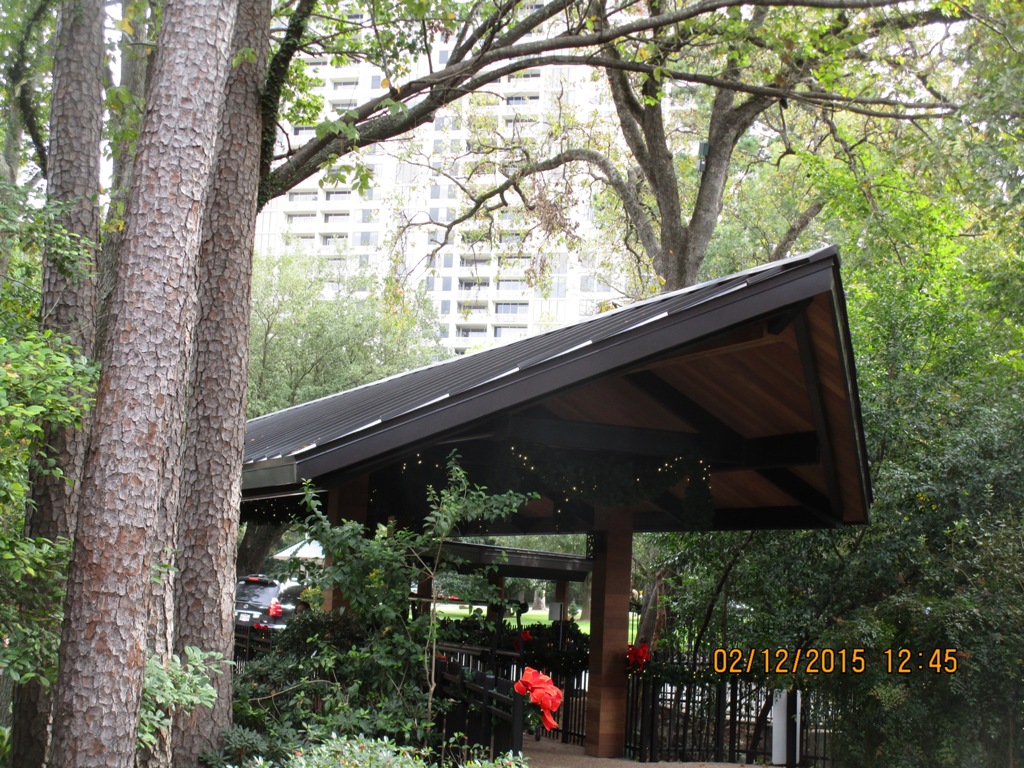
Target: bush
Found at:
330, 674
364, 671
362, 752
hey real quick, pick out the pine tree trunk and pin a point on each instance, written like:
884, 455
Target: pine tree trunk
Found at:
139, 414
211, 487
68, 299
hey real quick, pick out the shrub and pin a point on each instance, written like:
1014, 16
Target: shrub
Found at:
362, 752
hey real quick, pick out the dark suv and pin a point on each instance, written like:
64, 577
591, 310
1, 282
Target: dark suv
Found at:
265, 603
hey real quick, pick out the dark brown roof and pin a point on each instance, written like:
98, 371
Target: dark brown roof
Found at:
753, 373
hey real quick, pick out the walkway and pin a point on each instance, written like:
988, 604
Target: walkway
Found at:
547, 753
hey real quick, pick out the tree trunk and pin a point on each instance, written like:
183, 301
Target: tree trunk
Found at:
255, 546
68, 298
586, 590
134, 76
212, 483
652, 612
139, 414
539, 599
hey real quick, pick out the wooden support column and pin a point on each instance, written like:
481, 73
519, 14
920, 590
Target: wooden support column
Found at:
350, 501
424, 593
609, 633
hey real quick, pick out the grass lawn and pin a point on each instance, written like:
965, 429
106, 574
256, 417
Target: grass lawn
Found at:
452, 611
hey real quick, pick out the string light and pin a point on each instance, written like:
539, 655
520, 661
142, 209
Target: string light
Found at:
620, 479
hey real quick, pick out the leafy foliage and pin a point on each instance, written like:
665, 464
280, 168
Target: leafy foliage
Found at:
32, 574
357, 751
173, 688
365, 668
318, 329
44, 382
942, 408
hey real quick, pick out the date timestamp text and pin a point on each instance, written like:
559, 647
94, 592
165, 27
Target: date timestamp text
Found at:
827, 661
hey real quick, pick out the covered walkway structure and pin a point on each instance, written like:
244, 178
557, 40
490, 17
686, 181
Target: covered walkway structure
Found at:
728, 405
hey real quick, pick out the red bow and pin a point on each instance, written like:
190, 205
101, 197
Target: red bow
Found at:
520, 642
637, 656
544, 693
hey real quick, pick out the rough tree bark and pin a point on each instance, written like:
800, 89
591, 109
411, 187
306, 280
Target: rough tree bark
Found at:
212, 454
138, 419
68, 297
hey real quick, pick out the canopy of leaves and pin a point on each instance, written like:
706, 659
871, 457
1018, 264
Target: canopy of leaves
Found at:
318, 330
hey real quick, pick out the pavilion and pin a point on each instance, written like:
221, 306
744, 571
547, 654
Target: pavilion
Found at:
725, 406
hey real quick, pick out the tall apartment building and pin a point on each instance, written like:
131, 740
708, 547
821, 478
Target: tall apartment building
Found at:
482, 276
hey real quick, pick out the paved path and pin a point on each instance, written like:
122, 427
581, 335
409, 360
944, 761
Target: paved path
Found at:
553, 754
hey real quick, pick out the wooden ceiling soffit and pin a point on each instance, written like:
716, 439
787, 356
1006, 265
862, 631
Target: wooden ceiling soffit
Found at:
667, 396
816, 398
736, 452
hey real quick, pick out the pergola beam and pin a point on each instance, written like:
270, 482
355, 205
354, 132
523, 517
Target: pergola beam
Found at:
663, 393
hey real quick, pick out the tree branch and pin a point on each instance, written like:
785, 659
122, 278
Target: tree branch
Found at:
277, 75
19, 85
796, 229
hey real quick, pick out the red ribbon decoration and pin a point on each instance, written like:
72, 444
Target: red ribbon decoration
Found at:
519, 643
544, 693
637, 656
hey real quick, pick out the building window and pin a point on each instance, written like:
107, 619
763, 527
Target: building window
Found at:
304, 130
509, 332
333, 240
592, 284
367, 238
511, 308
447, 123
303, 197
336, 218
336, 195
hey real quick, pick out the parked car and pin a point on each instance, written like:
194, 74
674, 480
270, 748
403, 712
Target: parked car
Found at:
265, 603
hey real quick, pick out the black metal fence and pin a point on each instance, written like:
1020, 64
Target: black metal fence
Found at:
682, 713
480, 703
505, 667
250, 643
677, 711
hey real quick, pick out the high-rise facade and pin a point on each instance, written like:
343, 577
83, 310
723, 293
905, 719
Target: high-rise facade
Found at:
492, 279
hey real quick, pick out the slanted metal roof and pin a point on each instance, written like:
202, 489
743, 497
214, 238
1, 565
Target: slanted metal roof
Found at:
754, 369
